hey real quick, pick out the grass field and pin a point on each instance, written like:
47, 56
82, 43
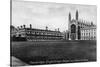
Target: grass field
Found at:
71, 51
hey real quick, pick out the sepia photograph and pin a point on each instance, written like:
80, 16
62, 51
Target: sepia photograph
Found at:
52, 33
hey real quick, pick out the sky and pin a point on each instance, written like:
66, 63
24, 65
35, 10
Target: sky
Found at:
53, 15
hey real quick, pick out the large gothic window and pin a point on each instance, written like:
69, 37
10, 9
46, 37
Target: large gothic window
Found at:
73, 28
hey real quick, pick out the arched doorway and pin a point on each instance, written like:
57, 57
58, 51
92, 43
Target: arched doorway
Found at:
73, 31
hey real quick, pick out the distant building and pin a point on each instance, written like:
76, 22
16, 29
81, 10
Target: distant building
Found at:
32, 34
13, 31
81, 30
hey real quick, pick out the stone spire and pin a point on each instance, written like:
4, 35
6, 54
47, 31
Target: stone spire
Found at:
76, 14
69, 16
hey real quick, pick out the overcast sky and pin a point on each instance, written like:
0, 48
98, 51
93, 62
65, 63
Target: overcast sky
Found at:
53, 15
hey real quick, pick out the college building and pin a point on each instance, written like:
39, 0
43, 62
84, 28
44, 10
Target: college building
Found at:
81, 30
32, 34
88, 33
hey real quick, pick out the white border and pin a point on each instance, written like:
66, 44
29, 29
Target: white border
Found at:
5, 33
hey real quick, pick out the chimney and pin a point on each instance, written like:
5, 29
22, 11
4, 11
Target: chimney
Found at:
21, 26
58, 29
18, 28
24, 26
46, 28
30, 26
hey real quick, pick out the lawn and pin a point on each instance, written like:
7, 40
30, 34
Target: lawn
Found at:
68, 51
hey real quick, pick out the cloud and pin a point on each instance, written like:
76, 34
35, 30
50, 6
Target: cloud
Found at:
41, 14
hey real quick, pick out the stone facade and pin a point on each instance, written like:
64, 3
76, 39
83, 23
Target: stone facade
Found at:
80, 30
38, 34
